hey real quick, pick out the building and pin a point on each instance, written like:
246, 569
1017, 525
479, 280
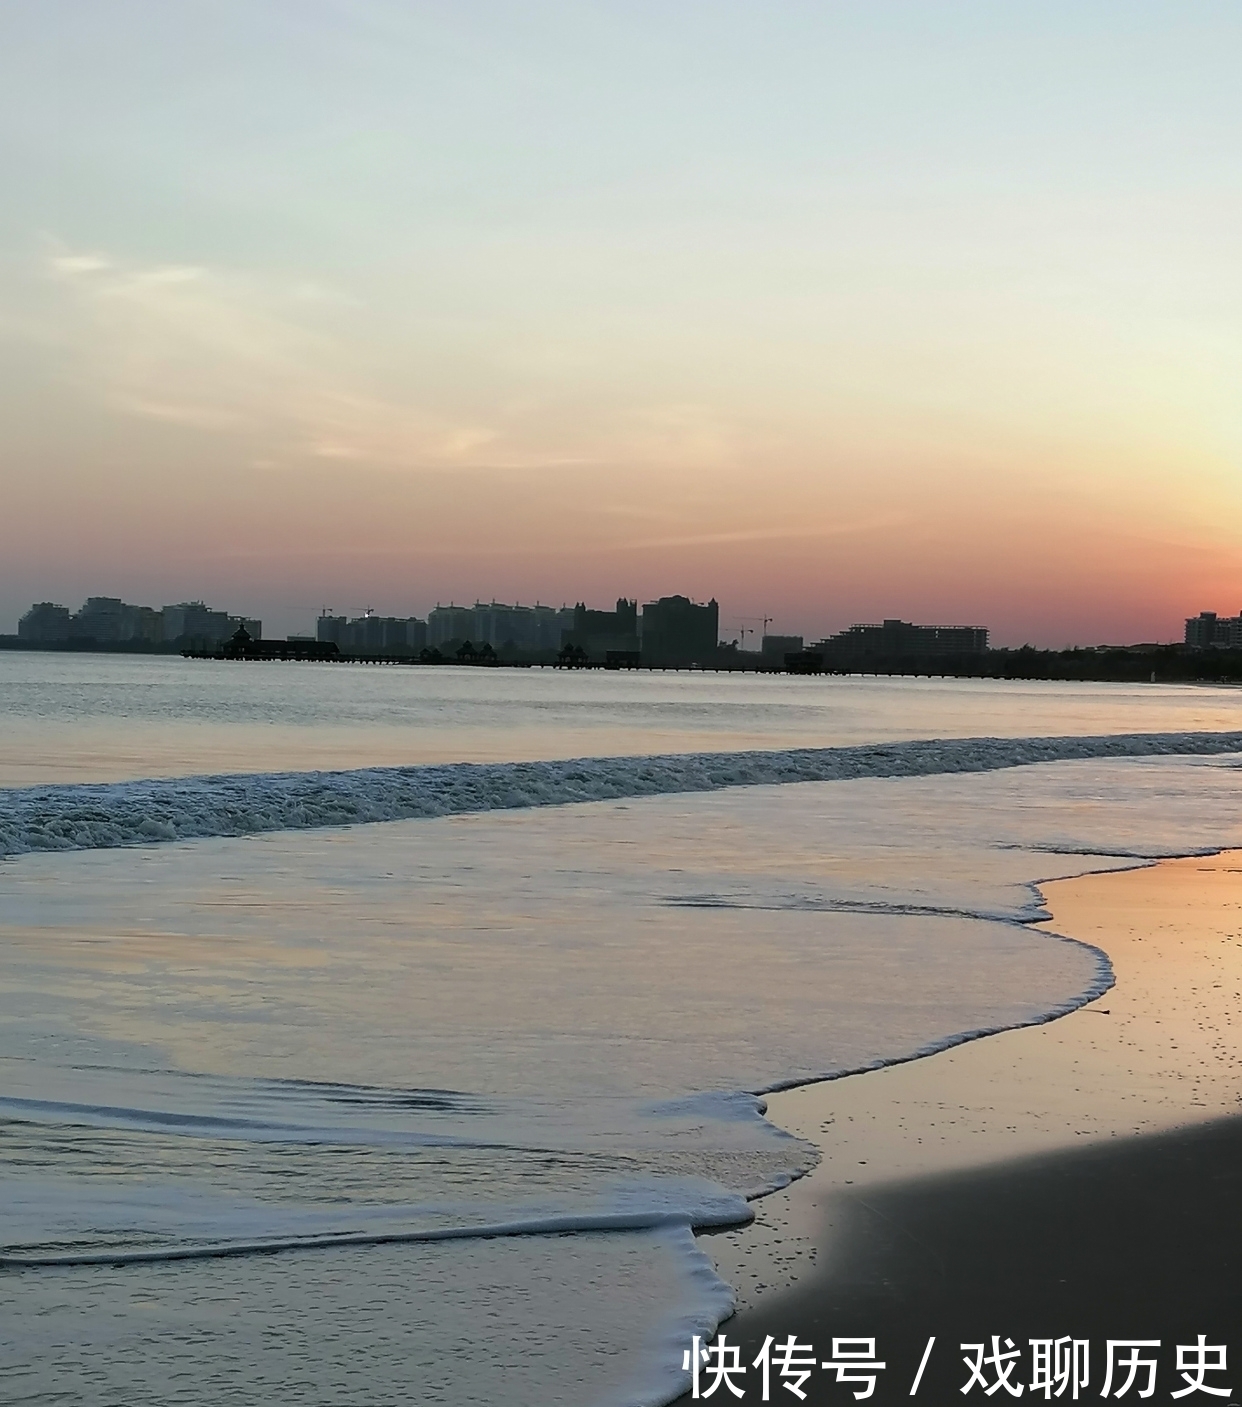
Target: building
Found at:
1207, 630
45, 623
193, 625
677, 631
110, 621
447, 623
533, 629
404, 633
602, 633
896, 639
776, 647
330, 630
369, 634
536, 629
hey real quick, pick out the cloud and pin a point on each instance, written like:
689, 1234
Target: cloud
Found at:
75, 265
170, 274
796, 533
291, 369
223, 352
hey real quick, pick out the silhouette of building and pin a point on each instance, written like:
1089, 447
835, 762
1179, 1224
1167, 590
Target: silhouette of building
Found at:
111, 621
194, 621
512, 629
1207, 630
677, 631
369, 634
599, 634
45, 623
330, 629
450, 622
195, 625
776, 647
900, 639
519, 628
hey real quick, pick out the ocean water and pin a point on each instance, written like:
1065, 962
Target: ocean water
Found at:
105, 718
427, 1108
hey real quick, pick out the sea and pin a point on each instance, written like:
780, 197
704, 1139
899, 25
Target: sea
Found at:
382, 1035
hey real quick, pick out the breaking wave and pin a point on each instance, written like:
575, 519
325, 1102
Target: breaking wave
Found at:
107, 815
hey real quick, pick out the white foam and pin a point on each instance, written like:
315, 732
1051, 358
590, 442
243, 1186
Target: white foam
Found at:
152, 812
732, 1212
923, 862
705, 1301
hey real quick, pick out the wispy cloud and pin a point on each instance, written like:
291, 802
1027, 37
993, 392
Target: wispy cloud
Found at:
74, 265
216, 351
790, 533
289, 369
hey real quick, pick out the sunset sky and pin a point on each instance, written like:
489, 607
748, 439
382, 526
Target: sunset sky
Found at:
832, 311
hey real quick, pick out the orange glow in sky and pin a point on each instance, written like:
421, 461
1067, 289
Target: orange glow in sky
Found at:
832, 313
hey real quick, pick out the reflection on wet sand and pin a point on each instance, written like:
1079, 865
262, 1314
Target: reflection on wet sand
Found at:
1157, 1052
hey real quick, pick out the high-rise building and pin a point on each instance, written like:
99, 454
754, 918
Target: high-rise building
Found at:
527, 629
330, 630
452, 622
677, 631
194, 623
520, 628
897, 639
45, 623
1207, 630
109, 620
776, 647
601, 633
370, 634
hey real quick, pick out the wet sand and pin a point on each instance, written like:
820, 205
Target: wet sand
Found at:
1080, 1178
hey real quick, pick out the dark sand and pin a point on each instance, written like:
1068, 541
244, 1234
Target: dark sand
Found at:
1141, 1239
1072, 1179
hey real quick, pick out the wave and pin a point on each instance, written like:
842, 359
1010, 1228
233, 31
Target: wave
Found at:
216, 1126
108, 815
732, 1212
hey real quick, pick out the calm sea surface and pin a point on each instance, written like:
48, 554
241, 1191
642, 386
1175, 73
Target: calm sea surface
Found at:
110, 717
352, 1057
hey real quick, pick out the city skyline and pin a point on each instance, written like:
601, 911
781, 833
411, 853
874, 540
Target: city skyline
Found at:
738, 628
834, 313
537, 626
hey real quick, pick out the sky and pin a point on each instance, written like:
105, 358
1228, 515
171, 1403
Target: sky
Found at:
832, 311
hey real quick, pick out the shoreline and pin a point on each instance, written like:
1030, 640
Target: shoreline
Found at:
1169, 663
1121, 1107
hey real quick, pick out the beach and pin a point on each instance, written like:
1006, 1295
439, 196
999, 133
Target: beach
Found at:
620, 700
418, 1080
1076, 1178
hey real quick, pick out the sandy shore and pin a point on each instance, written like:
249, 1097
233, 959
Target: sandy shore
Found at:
1079, 1178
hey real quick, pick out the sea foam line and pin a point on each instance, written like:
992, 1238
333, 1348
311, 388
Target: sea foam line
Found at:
107, 815
737, 1214
235, 1126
